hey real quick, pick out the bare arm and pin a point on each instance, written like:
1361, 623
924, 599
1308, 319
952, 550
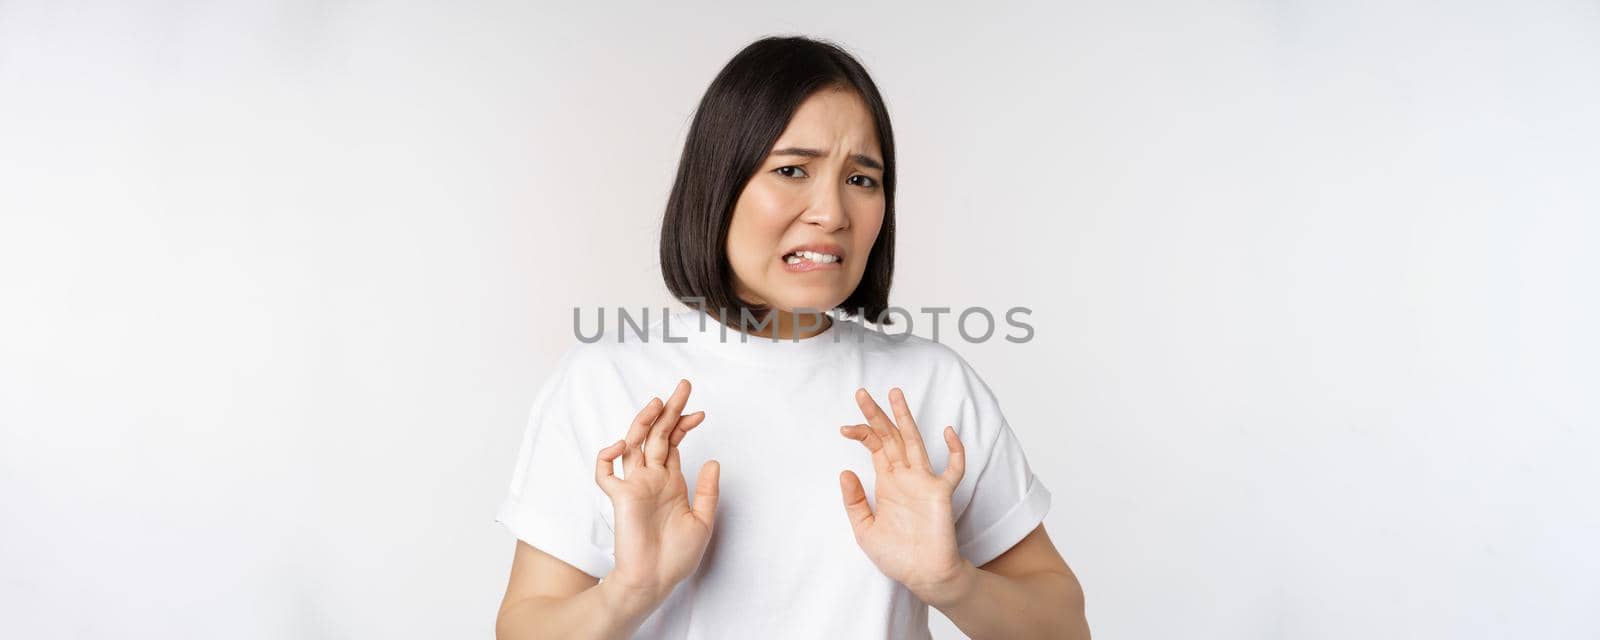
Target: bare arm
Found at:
1027, 592
548, 598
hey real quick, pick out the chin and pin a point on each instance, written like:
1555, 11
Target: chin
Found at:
808, 302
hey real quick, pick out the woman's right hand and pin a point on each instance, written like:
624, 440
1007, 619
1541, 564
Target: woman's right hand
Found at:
660, 537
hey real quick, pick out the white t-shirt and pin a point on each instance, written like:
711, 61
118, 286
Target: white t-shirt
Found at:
782, 561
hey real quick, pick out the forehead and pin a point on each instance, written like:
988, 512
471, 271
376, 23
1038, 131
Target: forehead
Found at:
832, 118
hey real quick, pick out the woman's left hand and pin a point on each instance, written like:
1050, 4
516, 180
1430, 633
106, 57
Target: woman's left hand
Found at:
912, 536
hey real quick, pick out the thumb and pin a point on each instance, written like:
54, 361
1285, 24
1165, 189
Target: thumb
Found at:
705, 492
855, 501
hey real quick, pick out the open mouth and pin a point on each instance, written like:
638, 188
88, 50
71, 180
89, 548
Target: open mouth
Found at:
812, 257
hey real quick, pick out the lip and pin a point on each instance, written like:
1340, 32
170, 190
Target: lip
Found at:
807, 265
819, 247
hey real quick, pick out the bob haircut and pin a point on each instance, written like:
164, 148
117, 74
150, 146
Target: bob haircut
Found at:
740, 117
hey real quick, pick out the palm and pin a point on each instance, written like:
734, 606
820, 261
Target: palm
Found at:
911, 536
659, 537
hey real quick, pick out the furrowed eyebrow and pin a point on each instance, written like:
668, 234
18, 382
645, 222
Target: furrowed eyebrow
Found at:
860, 158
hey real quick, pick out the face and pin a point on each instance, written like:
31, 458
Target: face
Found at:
819, 193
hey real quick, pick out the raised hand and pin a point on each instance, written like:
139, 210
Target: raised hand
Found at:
660, 537
912, 536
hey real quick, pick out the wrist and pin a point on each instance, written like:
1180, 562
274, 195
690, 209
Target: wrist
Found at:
951, 589
630, 602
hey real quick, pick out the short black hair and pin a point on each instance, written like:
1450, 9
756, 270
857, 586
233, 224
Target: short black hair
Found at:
740, 117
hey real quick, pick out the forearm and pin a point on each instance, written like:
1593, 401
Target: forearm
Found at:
602, 611
1045, 604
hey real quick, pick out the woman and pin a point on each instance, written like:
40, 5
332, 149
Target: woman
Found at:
783, 203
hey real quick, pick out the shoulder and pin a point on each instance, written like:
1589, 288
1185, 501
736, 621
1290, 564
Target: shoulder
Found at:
943, 372
608, 342
588, 368
924, 354
585, 394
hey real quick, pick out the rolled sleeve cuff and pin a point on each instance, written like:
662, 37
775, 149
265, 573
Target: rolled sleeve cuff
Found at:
564, 544
1011, 528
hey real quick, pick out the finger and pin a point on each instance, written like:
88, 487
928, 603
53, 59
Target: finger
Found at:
673, 462
655, 447
868, 438
855, 502
956, 466
604, 473
916, 453
882, 426
705, 492
688, 422
637, 430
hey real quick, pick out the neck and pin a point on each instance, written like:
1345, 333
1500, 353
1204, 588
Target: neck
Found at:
787, 325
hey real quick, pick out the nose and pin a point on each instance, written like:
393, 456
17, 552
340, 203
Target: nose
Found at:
827, 209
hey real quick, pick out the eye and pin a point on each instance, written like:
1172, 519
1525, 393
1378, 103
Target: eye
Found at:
869, 181
782, 171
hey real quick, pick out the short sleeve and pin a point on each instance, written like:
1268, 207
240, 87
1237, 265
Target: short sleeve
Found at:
553, 503
1006, 500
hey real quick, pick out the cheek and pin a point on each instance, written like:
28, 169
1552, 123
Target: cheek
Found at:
765, 206
866, 233
759, 220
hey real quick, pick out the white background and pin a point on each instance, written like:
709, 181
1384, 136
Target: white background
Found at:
1314, 289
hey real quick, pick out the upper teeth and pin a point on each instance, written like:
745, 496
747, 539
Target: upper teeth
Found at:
812, 256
